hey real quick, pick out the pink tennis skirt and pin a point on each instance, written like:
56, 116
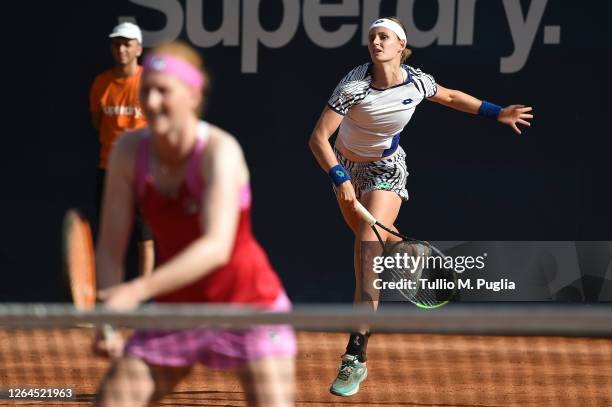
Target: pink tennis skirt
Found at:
215, 348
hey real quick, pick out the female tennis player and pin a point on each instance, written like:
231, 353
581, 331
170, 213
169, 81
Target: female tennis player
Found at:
372, 104
191, 184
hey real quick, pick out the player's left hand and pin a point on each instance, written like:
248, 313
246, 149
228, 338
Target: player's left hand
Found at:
516, 114
122, 297
108, 345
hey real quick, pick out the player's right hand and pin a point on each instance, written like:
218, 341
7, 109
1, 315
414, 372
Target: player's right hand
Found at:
346, 194
108, 345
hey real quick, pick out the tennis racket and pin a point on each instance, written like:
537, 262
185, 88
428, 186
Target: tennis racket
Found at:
427, 283
79, 264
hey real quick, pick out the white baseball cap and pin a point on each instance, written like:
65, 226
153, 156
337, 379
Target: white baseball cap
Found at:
127, 30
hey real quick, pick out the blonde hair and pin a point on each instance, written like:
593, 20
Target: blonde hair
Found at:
188, 54
406, 52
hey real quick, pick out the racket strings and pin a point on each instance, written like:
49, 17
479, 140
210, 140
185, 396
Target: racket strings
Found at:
432, 285
80, 263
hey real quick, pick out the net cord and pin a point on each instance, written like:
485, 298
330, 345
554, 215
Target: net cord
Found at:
464, 319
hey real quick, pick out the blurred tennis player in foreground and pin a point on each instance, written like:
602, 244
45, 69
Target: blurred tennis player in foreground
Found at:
191, 183
372, 105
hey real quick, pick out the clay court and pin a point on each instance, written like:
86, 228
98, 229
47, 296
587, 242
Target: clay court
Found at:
404, 370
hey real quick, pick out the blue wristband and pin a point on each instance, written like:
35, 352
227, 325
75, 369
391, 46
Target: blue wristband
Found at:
338, 174
490, 110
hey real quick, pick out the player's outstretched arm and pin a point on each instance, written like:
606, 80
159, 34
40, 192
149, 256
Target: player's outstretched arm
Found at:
511, 115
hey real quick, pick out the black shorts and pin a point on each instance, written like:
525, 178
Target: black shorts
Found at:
141, 229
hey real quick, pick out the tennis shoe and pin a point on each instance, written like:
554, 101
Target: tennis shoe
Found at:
352, 373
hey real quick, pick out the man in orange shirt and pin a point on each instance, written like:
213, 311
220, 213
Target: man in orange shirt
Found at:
115, 108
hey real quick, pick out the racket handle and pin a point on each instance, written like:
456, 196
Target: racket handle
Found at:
364, 214
108, 332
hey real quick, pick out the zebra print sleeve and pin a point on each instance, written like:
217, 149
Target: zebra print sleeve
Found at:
425, 83
351, 90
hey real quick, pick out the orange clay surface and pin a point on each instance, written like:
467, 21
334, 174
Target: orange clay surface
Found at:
404, 370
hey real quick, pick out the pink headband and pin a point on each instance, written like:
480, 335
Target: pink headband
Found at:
169, 64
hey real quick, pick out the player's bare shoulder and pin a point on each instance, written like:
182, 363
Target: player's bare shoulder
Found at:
224, 149
128, 143
223, 144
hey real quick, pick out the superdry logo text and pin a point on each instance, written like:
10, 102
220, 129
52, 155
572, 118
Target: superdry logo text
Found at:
240, 25
123, 111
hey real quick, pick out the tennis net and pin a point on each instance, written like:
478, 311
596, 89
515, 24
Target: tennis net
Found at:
459, 355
